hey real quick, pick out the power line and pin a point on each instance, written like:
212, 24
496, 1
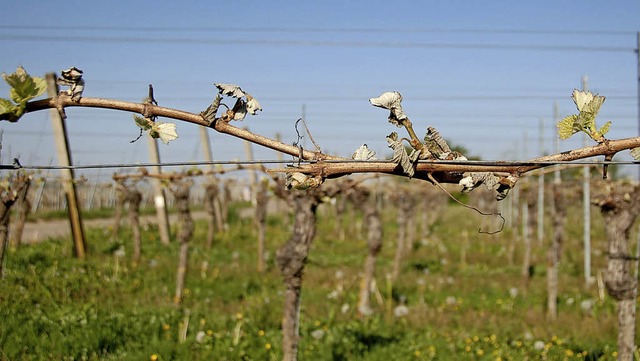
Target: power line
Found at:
316, 43
275, 29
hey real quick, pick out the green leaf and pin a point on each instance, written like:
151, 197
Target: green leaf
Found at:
566, 126
24, 87
142, 122
635, 153
11, 112
594, 105
604, 129
6, 106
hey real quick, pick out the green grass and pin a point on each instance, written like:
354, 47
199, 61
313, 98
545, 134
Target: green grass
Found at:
55, 307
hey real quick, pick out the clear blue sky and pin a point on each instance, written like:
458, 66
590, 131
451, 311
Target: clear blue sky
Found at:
484, 73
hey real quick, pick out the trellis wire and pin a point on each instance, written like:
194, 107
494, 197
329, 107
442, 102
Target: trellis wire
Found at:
263, 162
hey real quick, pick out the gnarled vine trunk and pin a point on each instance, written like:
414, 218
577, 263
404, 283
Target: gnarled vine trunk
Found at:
620, 210
22, 201
405, 204
360, 197
529, 199
262, 199
211, 193
119, 206
291, 258
559, 205
133, 197
8, 196
185, 231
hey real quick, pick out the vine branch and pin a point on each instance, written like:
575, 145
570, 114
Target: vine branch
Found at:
443, 172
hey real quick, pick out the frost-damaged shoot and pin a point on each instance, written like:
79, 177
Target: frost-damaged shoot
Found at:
72, 78
245, 103
434, 148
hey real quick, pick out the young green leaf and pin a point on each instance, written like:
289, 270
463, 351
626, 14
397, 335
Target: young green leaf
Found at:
604, 129
166, 132
635, 153
566, 126
24, 87
142, 122
585, 121
8, 110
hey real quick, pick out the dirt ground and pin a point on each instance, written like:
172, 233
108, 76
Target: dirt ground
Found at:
43, 230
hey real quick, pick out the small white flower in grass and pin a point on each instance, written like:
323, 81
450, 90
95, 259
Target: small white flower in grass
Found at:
539, 345
451, 301
120, 252
513, 292
333, 295
401, 311
317, 334
345, 308
570, 301
165, 131
587, 305
200, 336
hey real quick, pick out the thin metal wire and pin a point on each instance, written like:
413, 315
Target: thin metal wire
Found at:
263, 162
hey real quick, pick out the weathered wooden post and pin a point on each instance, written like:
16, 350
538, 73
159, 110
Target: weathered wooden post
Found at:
68, 179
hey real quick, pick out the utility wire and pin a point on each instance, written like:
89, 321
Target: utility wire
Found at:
275, 29
487, 163
315, 43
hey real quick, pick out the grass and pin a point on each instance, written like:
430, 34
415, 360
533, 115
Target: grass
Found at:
53, 306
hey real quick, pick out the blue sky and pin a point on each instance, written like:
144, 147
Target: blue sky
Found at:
485, 74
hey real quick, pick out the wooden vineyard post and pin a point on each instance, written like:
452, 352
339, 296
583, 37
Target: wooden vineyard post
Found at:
68, 180
159, 199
